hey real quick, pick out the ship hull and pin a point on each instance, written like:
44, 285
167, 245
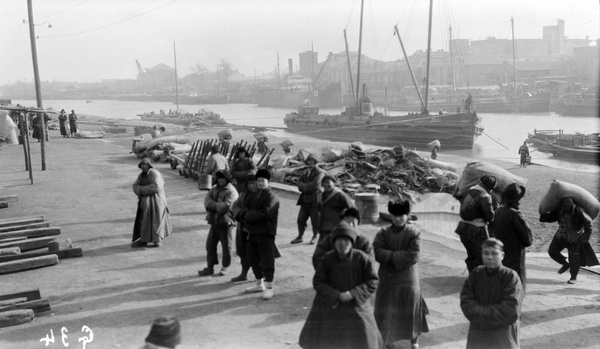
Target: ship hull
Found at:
456, 131
500, 106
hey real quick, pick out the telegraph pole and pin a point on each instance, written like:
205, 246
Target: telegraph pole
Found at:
36, 75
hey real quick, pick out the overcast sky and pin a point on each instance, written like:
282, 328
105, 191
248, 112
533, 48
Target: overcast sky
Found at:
92, 40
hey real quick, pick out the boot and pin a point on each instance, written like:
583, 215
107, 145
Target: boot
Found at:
242, 277
297, 240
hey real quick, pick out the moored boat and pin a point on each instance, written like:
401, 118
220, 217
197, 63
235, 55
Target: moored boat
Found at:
585, 147
578, 106
203, 116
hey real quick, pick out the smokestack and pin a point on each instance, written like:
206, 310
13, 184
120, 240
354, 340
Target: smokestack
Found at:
291, 66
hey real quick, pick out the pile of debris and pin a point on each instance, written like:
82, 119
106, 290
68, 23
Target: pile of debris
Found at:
390, 171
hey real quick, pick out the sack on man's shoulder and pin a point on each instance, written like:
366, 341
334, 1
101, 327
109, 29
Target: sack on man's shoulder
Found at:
469, 207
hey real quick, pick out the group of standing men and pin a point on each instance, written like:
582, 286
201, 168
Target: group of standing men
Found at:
72, 127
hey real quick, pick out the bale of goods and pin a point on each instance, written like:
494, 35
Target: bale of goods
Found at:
475, 170
358, 148
286, 143
225, 134
434, 144
440, 164
260, 136
558, 190
15, 317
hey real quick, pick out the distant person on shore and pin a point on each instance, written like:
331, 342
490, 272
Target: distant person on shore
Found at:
219, 215
309, 185
37, 126
491, 299
259, 214
62, 119
164, 333
341, 315
400, 309
262, 146
73, 123
574, 231
152, 220
351, 216
476, 212
216, 162
333, 202
468, 103
524, 152
510, 227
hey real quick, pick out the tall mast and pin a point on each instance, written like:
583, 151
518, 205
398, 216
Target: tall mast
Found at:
426, 111
452, 65
176, 86
354, 98
412, 74
362, 6
512, 25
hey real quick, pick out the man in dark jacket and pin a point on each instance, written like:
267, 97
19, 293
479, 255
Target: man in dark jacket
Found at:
332, 201
309, 185
574, 231
218, 204
241, 168
476, 211
258, 215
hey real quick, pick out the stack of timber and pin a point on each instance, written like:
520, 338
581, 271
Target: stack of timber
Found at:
29, 242
21, 307
6, 199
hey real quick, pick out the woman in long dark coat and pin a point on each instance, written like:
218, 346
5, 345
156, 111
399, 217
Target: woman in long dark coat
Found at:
342, 315
509, 227
62, 118
399, 307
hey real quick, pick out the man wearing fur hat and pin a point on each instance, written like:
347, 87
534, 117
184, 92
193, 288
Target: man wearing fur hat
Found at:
152, 220
218, 204
241, 168
309, 185
510, 227
476, 211
216, 162
258, 215
332, 201
342, 315
351, 216
399, 306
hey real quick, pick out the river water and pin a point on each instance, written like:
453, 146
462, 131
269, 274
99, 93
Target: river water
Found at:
503, 134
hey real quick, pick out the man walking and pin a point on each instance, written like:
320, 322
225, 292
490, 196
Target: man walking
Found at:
309, 185
332, 201
218, 204
476, 211
524, 152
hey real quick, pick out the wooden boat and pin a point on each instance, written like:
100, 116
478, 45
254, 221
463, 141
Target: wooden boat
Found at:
568, 146
362, 123
578, 106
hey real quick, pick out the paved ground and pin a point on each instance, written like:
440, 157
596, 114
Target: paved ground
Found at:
116, 291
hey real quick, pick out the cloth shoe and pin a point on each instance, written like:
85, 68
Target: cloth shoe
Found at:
206, 272
297, 240
242, 277
313, 240
259, 287
572, 282
138, 243
268, 294
564, 268
223, 271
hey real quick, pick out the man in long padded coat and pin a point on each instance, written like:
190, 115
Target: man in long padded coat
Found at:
341, 315
333, 201
309, 185
152, 220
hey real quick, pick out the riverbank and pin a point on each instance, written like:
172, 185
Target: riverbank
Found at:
116, 291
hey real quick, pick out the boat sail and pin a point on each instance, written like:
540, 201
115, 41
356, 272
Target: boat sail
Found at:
362, 123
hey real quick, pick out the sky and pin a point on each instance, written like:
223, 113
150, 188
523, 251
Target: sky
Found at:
91, 40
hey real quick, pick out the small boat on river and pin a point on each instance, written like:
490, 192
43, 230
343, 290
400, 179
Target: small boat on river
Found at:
203, 117
577, 146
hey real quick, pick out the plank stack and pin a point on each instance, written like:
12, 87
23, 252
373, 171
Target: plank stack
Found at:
21, 307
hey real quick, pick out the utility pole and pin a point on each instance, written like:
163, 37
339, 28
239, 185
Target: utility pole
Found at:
36, 75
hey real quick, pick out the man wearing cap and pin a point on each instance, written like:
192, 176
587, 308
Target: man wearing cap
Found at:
241, 168
510, 227
258, 214
152, 220
216, 162
476, 211
309, 185
350, 216
73, 123
332, 201
218, 204
164, 333
345, 281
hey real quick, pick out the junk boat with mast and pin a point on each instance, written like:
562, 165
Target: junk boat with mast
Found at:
362, 123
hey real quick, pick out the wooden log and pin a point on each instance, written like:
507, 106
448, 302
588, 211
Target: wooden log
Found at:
29, 244
9, 251
13, 301
31, 295
56, 245
3, 204
67, 253
25, 226
9, 198
9, 222
30, 233
38, 306
16, 317
12, 238
28, 263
